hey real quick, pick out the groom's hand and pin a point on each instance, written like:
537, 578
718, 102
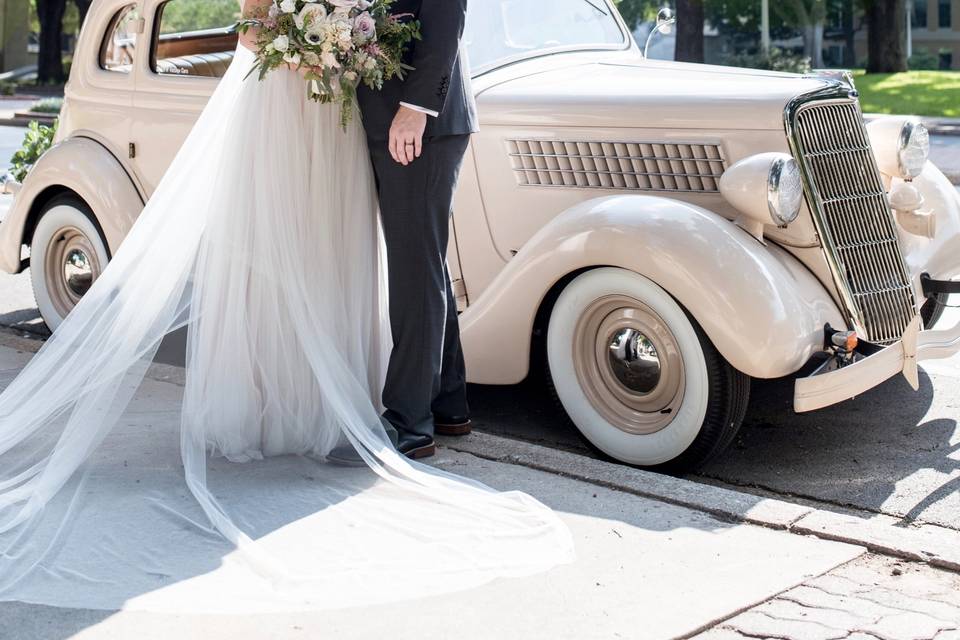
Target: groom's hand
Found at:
406, 135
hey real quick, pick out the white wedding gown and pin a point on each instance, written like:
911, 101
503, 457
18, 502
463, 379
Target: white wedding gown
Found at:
262, 239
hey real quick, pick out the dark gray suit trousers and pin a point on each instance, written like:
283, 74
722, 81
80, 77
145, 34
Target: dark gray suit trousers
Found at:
426, 375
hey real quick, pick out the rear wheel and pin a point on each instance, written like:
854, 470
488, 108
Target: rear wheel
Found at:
67, 254
638, 377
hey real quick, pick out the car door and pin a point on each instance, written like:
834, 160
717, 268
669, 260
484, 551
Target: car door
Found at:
102, 102
189, 47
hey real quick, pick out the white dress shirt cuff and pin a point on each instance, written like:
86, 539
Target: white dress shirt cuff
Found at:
435, 114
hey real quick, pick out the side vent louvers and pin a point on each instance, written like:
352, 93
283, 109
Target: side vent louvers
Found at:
636, 166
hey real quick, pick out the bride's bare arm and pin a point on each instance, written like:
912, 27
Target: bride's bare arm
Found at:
249, 39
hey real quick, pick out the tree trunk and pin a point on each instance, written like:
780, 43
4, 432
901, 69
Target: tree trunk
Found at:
690, 21
886, 46
82, 7
50, 57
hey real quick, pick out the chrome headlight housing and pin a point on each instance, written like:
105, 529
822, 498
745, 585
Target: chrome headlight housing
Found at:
901, 146
784, 190
914, 149
767, 189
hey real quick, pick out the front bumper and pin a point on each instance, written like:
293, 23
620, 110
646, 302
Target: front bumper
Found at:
840, 384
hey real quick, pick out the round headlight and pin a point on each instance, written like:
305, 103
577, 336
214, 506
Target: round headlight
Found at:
784, 191
901, 146
914, 149
766, 188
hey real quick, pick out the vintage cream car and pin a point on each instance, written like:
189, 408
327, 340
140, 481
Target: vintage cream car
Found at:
658, 233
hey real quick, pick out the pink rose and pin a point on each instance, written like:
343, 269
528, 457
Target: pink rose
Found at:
365, 26
344, 6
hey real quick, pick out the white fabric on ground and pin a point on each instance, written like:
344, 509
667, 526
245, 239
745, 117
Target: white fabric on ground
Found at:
262, 239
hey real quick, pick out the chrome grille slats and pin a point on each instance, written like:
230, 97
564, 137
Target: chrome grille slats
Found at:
852, 214
685, 167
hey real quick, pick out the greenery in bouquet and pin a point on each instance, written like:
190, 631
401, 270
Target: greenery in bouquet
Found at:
337, 45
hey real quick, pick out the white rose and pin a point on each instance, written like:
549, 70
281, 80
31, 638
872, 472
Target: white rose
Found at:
281, 44
288, 6
292, 58
312, 14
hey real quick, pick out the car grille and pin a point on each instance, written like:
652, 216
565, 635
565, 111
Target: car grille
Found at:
632, 166
853, 216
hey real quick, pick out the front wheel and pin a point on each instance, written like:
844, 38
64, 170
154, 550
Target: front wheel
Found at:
67, 254
638, 377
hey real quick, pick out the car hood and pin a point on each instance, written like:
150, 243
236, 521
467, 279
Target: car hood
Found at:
641, 93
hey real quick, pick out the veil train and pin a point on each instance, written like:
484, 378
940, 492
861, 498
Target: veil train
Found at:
262, 240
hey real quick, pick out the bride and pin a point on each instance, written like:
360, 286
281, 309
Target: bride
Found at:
262, 240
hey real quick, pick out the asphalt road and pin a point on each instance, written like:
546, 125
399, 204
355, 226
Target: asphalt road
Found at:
891, 451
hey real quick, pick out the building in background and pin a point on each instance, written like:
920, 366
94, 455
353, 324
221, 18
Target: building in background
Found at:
14, 35
935, 31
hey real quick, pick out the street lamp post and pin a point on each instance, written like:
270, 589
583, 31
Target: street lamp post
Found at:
765, 26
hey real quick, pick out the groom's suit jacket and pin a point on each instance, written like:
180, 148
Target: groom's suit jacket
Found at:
440, 80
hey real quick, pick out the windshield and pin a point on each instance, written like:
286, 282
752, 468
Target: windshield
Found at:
498, 30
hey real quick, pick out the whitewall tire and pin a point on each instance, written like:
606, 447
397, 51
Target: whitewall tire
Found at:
67, 254
637, 376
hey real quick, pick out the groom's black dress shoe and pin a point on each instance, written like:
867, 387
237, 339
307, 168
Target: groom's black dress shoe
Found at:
415, 446
452, 425
345, 456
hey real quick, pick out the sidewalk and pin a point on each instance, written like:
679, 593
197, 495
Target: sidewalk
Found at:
658, 557
646, 569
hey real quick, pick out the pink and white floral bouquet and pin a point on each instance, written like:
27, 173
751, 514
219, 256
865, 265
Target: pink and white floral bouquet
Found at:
336, 44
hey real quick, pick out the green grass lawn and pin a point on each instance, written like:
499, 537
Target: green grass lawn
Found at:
922, 93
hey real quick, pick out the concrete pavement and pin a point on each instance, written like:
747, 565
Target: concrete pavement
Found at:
645, 568
658, 557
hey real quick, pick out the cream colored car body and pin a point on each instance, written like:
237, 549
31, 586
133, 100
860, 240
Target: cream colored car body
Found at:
763, 303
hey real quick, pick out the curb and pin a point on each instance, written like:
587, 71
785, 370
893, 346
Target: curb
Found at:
14, 339
883, 535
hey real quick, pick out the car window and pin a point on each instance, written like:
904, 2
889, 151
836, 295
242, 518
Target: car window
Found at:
501, 30
120, 41
195, 37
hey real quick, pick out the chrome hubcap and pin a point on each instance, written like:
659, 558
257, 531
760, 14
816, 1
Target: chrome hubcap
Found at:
77, 273
71, 266
628, 364
634, 361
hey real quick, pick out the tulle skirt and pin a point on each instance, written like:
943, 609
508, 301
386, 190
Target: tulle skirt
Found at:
261, 240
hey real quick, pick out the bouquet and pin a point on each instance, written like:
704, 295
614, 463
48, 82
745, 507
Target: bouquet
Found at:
336, 45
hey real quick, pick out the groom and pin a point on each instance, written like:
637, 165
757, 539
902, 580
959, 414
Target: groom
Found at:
418, 130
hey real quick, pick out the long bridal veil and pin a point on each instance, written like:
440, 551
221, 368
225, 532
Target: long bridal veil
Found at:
262, 241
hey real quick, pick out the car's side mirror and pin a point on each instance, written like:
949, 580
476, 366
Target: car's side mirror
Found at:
665, 21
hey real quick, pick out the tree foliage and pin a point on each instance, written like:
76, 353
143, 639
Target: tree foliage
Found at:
637, 11
193, 15
37, 140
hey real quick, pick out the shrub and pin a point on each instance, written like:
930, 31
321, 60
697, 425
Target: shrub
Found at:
8, 88
47, 105
923, 60
777, 60
39, 138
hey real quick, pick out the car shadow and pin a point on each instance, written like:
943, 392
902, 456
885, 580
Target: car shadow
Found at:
890, 450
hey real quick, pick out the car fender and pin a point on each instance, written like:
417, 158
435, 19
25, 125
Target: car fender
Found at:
939, 256
86, 168
761, 308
